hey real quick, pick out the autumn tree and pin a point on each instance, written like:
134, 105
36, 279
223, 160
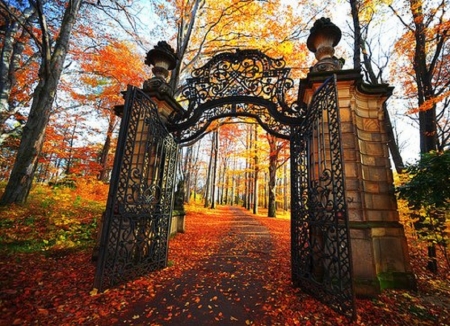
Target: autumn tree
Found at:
275, 161
202, 28
423, 52
53, 51
17, 70
105, 72
49, 26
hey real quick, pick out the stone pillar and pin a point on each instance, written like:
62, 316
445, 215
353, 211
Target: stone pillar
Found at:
379, 249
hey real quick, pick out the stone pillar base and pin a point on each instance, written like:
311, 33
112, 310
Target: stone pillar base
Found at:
382, 260
397, 280
178, 224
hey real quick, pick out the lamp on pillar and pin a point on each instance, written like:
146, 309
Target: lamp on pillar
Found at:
323, 38
162, 59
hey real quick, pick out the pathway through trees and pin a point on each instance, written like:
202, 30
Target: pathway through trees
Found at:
229, 285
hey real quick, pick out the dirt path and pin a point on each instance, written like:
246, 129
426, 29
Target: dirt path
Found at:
228, 287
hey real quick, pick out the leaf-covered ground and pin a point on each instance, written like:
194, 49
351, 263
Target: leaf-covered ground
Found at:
229, 268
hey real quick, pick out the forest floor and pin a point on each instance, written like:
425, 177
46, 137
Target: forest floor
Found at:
228, 268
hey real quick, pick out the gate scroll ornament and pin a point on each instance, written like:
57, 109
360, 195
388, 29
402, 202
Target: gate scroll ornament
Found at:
243, 83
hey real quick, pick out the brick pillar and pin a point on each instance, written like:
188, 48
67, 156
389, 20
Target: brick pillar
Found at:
379, 248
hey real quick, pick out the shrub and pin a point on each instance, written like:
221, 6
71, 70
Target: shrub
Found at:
427, 192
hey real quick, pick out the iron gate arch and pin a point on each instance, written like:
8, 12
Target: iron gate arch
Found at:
134, 237
242, 83
249, 83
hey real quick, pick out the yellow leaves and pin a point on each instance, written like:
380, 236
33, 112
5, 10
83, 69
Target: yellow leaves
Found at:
245, 24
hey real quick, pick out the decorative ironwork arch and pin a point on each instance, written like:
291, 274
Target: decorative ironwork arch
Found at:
244, 83
134, 238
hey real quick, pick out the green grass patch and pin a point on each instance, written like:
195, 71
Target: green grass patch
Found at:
52, 219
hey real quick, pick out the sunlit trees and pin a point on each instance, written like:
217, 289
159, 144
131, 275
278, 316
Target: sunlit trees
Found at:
427, 192
106, 71
48, 27
17, 66
424, 69
201, 29
53, 50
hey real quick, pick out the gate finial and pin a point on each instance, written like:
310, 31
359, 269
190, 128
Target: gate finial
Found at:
163, 58
323, 38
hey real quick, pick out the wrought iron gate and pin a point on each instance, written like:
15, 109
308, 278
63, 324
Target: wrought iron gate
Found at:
136, 223
134, 238
321, 252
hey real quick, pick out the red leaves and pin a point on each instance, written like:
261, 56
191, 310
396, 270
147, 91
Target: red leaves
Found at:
57, 290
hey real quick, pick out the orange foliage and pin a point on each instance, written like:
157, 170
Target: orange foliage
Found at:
111, 68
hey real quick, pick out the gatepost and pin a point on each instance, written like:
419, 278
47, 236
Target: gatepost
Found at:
378, 243
163, 59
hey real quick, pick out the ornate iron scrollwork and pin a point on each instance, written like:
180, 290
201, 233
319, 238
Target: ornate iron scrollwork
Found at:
321, 252
136, 223
246, 83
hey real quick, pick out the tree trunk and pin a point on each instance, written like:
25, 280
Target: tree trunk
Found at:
273, 158
266, 185
6, 82
195, 171
285, 189
427, 119
103, 174
22, 174
272, 209
224, 184
71, 141
213, 183
356, 35
12, 49
359, 46
183, 38
187, 172
255, 183
209, 174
